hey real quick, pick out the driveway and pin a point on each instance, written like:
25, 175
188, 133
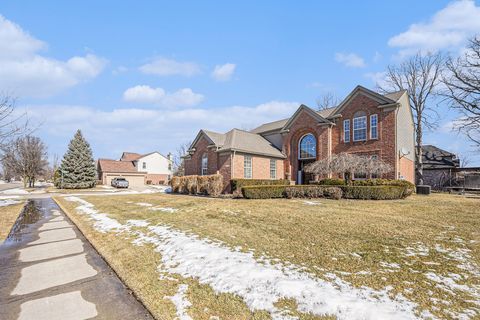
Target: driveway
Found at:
50, 271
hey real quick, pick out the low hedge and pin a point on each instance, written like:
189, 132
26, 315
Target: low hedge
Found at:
211, 185
370, 182
237, 184
298, 191
382, 192
264, 192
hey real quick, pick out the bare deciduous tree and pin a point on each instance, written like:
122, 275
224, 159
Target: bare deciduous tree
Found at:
178, 163
420, 76
11, 123
462, 82
26, 157
347, 165
327, 100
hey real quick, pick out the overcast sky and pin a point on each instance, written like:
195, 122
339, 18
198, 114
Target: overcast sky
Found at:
147, 75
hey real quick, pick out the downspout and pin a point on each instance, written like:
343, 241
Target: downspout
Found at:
232, 157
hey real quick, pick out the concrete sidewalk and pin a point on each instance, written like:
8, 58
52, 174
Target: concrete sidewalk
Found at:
50, 271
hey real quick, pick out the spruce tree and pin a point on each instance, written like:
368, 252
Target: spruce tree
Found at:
77, 170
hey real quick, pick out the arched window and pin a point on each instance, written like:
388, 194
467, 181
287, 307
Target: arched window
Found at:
307, 147
204, 164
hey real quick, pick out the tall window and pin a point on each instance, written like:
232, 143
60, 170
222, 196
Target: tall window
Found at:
273, 169
346, 130
373, 126
308, 147
247, 167
374, 175
360, 127
144, 165
204, 164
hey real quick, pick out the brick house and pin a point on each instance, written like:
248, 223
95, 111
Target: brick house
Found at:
364, 123
138, 169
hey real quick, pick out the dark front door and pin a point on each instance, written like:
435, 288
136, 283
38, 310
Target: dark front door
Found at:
302, 176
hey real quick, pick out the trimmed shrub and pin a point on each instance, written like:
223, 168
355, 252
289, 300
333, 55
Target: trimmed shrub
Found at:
333, 193
264, 192
211, 185
330, 182
237, 184
381, 192
304, 191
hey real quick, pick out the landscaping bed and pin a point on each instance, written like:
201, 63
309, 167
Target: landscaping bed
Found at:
421, 254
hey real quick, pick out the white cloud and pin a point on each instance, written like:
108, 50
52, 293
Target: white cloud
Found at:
169, 67
350, 60
446, 29
145, 129
377, 77
25, 72
223, 72
146, 94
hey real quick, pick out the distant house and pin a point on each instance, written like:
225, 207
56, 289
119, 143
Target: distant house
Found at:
442, 170
365, 123
138, 169
439, 167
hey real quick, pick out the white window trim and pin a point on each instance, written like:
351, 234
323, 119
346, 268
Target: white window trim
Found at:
300, 150
356, 140
249, 167
376, 126
274, 169
346, 138
204, 169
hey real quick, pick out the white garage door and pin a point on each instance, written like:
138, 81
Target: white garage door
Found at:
133, 180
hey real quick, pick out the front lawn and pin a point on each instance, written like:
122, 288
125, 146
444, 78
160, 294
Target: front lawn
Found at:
9, 212
304, 258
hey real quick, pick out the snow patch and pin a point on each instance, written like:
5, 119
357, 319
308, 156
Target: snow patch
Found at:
262, 285
8, 202
144, 204
137, 223
181, 302
15, 191
311, 203
102, 223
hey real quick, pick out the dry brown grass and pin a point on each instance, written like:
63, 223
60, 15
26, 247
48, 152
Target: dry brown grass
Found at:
359, 241
8, 216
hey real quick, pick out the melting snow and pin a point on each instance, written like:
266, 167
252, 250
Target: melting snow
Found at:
137, 223
8, 202
260, 284
102, 222
144, 204
311, 203
181, 302
15, 191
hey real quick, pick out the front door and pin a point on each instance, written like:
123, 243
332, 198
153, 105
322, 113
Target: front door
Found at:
302, 176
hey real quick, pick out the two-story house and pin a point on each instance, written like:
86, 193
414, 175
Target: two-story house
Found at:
364, 123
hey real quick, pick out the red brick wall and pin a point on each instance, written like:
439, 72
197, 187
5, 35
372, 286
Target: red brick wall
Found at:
260, 167
384, 146
303, 125
216, 162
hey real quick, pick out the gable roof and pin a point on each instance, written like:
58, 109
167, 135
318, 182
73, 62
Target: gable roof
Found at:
241, 141
309, 111
130, 156
382, 99
395, 96
248, 142
279, 124
108, 165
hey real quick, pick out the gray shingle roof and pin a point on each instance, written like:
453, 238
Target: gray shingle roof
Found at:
217, 138
248, 142
395, 95
436, 158
279, 124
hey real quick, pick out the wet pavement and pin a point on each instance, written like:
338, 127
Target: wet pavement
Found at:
48, 270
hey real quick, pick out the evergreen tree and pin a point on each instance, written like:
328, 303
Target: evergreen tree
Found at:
77, 170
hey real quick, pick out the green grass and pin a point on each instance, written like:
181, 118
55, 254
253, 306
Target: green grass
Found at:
362, 242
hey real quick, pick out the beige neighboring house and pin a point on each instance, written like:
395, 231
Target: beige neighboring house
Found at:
138, 169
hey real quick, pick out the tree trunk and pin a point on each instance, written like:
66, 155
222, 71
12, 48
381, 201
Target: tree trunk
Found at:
418, 153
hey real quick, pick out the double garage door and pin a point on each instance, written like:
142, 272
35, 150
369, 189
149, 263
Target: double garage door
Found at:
134, 180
